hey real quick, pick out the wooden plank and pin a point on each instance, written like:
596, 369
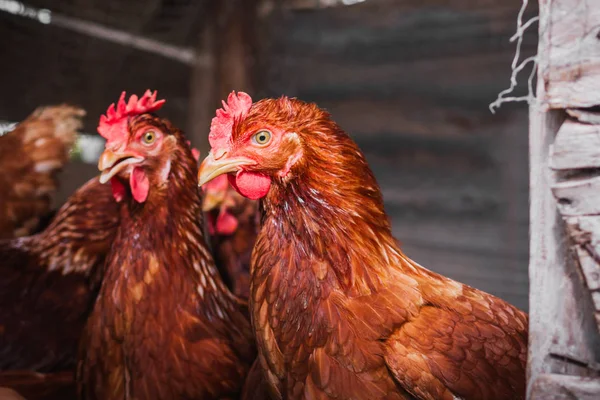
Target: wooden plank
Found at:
578, 196
587, 116
569, 53
585, 234
447, 80
585, 237
418, 116
596, 300
564, 387
577, 146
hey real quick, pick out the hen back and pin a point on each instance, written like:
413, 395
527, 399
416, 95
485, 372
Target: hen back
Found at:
50, 280
30, 158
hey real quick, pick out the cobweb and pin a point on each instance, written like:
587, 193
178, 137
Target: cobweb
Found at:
506, 96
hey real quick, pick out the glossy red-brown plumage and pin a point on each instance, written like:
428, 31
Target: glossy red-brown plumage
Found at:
338, 310
164, 325
30, 159
233, 226
50, 280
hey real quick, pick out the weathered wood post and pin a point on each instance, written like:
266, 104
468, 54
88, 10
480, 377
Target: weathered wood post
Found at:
228, 43
564, 268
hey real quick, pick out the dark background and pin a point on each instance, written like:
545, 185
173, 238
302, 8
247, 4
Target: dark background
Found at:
409, 80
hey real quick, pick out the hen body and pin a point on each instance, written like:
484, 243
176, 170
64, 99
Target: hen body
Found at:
50, 280
338, 310
30, 157
164, 325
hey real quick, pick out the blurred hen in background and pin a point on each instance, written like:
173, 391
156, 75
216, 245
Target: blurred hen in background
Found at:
30, 158
233, 224
48, 287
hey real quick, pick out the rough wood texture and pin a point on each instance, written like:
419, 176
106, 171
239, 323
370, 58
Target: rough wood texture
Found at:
578, 196
577, 145
585, 115
557, 324
569, 56
561, 387
584, 231
563, 336
563, 329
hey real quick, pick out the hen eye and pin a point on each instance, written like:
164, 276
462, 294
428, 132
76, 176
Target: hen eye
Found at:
149, 137
261, 138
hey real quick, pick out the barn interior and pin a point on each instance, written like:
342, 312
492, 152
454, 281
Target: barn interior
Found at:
409, 80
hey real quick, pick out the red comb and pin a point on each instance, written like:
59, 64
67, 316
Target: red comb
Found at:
113, 125
237, 107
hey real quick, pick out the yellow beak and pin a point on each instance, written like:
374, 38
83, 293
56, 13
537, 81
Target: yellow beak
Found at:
211, 168
111, 163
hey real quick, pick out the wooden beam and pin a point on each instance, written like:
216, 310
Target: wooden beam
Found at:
202, 93
563, 337
236, 46
230, 38
561, 314
569, 56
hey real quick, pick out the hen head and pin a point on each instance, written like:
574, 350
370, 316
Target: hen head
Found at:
219, 199
139, 147
261, 143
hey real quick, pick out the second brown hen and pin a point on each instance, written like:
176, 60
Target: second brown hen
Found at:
164, 325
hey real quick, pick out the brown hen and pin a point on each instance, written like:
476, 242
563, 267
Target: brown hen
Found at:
338, 310
50, 280
233, 224
30, 157
164, 326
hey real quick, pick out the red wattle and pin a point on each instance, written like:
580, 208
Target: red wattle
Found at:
118, 189
251, 184
140, 185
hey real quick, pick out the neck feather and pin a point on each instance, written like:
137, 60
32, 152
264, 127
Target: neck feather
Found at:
332, 211
168, 228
